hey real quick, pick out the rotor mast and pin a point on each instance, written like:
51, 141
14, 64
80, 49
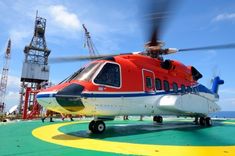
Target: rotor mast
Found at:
88, 42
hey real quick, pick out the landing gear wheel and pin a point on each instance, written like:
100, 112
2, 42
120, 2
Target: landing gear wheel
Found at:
91, 125
202, 121
208, 121
97, 127
158, 119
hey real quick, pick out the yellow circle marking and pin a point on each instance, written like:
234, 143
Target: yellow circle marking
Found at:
232, 123
50, 133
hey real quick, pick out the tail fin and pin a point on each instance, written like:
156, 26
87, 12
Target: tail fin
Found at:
216, 82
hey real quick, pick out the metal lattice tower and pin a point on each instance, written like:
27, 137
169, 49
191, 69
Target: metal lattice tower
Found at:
35, 67
4, 77
88, 42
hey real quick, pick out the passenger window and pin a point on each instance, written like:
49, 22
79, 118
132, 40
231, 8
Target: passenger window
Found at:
182, 88
166, 86
148, 82
109, 75
175, 87
158, 84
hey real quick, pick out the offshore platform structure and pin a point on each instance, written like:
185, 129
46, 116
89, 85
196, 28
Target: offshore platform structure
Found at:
4, 77
88, 43
35, 70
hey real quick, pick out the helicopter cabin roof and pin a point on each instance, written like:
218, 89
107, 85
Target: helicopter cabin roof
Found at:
170, 67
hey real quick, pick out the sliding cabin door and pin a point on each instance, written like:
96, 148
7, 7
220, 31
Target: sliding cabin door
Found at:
148, 80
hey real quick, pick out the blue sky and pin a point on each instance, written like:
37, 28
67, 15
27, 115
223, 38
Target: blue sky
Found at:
115, 27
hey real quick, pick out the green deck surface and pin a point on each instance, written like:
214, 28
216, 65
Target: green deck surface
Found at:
144, 132
17, 139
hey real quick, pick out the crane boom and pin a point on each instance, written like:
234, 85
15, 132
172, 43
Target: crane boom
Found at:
88, 42
4, 77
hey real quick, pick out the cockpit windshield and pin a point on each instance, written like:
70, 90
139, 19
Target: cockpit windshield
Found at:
84, 73
109, 75
88, 72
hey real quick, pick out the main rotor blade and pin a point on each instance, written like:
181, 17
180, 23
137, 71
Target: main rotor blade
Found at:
85, 58
77, 58
223, 46
156, 14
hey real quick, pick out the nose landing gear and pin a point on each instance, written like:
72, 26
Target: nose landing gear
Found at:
97, 127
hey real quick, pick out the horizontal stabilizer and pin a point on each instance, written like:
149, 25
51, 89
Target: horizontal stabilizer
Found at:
216, 82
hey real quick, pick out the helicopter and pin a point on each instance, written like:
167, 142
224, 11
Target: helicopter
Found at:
136, 83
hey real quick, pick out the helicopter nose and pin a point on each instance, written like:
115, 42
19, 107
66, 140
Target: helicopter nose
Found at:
72, 89
70, 97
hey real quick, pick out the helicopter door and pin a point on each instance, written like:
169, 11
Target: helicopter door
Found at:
148, 80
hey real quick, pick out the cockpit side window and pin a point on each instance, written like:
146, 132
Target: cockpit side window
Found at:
109, 75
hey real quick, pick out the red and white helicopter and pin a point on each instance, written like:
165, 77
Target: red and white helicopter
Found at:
139, 83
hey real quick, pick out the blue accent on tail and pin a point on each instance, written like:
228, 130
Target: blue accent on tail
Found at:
216, 82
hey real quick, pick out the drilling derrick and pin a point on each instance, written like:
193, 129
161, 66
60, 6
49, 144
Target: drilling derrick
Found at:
4, 77
88, 42
35, 69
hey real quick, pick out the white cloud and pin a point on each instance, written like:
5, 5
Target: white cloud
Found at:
12, 94
19, 38
2, 52
12, 99
225, 16
13, 81
64, 19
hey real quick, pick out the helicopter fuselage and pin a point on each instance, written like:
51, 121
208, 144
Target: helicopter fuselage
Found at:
131, 85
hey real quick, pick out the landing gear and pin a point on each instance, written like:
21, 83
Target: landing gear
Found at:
205, 121
97, 127
196, 121
158, 119
208, 121
91, 125
202, 121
